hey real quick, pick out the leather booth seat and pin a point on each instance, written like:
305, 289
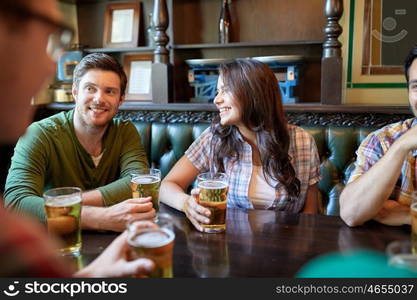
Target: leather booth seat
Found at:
165, 143
337, 150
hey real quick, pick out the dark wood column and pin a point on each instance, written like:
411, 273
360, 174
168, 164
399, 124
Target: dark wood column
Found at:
331, 62
160, 67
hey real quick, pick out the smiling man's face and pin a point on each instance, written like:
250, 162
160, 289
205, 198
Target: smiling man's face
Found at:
97, 98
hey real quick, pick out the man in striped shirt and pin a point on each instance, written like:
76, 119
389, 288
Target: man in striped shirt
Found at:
383, 182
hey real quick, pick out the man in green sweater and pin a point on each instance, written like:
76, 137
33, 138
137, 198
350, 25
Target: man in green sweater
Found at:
85, 147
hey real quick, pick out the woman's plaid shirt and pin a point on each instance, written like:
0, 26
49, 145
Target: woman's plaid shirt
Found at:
304, 158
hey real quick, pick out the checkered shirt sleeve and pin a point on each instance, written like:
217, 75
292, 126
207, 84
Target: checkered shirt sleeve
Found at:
199, 152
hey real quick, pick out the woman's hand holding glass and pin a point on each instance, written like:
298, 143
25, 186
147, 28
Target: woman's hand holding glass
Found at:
196, 213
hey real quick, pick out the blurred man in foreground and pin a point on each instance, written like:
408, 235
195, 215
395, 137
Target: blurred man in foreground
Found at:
27, 60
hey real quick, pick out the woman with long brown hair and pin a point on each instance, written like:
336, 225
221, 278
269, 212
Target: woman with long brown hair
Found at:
270, 163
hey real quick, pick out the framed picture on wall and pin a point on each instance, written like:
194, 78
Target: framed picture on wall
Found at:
121, 25
378, 36
389, 33
138, 68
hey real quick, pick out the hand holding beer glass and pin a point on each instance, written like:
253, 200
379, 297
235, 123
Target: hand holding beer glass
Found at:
413, 211
144, 183
155, 242
403, 253
213, 196
63, 213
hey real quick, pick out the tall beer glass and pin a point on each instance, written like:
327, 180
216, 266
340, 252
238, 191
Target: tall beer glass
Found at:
213, 195
155, 243
144, 183
413, 211
63, 213
400, 255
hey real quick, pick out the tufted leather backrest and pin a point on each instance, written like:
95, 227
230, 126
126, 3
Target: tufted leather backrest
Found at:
337, 150
165, 143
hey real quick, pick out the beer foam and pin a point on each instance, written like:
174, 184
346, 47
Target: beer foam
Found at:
145, 179
153, 239
401, 260
59, 201
212, 184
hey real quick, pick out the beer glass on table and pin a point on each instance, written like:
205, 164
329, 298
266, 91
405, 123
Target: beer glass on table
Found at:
63, 213
153, 242
144, 183
413, 211
403, 253
213, 195
400, 255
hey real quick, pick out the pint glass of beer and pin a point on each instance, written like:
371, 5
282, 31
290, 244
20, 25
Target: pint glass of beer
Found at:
413, 211
144, 183
400, 255
155, 243
63, 213
213, 195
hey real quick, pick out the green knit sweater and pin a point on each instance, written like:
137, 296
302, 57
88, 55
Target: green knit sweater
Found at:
49, 155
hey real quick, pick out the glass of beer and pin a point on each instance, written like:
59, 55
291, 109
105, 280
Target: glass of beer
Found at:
63, 213
155, 243
413, 211
144, 183
213, 195
400, 255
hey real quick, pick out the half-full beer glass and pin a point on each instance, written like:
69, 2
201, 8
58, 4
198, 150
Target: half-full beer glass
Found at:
155, 243
413, 211
63, 213
144, 183
400, 255
213, 195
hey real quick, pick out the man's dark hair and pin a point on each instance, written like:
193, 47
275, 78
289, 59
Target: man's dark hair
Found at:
409, 60
100, 61
15, 11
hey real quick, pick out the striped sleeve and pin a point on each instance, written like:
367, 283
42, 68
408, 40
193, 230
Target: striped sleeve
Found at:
368, 153
199, 152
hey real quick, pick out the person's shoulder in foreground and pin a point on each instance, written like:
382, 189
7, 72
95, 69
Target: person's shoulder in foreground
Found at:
24, 247
359, 263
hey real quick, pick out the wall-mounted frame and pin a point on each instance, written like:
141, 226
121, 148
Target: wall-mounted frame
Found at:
389, 32
138, 68
121, 25
370, 78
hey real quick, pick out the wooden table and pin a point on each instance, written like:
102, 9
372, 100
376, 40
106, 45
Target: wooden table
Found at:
259, 243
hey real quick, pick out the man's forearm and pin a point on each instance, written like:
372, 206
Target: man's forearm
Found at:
115, 191
91, 217
362, 199
31, 205
93, 198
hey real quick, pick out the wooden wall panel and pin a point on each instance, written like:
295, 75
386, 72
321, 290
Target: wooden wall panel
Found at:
195, 21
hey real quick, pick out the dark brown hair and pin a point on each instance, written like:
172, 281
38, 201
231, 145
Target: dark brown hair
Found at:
412, 55
255, 88
103, 62
15, 12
